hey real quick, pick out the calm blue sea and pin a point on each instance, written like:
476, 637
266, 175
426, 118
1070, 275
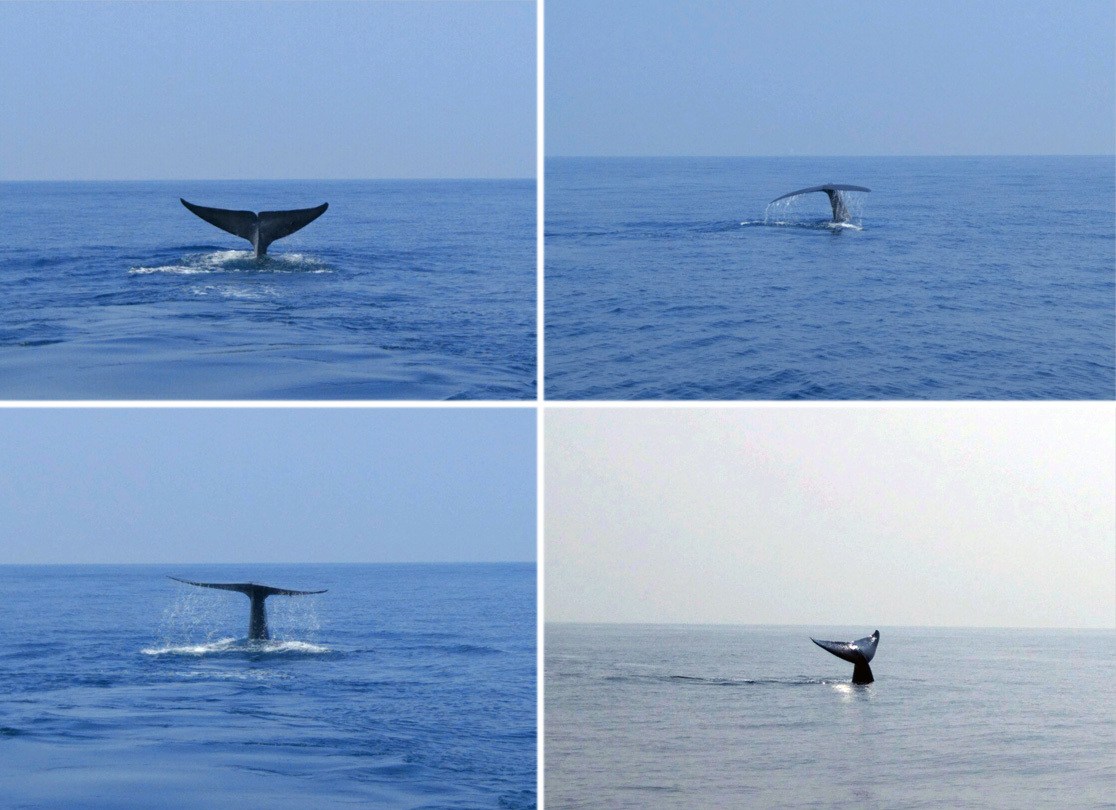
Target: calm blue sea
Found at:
404, 686
965, 278
655, 717
401, 290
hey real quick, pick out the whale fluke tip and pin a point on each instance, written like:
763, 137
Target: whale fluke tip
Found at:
858, 653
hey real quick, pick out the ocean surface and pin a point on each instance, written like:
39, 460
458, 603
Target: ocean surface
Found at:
963, 278
656, 717
401, 290
404, 686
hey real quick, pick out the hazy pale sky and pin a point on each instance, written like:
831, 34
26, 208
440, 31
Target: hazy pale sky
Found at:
936, 515
267, 485
830, 77
251, 90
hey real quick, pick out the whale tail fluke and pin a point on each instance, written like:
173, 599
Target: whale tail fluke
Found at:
277, 224
247, 588
833, 191
858, 653
238, 223
257, 625
260, 229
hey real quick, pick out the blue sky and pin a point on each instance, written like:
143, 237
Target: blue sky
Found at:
247, 90
267, 485
836, 77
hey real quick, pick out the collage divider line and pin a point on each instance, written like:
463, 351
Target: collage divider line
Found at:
540, 400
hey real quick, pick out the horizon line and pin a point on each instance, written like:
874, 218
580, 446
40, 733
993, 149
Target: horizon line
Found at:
377, 562
255, 179
885, 626
950, 155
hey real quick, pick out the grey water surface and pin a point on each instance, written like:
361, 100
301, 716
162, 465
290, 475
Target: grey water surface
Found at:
671, 716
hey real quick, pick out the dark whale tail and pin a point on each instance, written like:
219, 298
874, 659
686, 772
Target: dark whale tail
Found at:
858, 653
260, 229
833, 191
257, 626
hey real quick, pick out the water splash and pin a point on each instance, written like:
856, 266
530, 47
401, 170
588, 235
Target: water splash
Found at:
191, 616
293, 618
201, 623
792, 212
782, 211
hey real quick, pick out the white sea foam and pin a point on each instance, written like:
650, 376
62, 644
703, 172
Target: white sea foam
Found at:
237, 261
820, 226
180, 270
235, 645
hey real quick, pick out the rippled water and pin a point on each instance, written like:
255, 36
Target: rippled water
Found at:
404, 686
401, 290
680, 717
981, 278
